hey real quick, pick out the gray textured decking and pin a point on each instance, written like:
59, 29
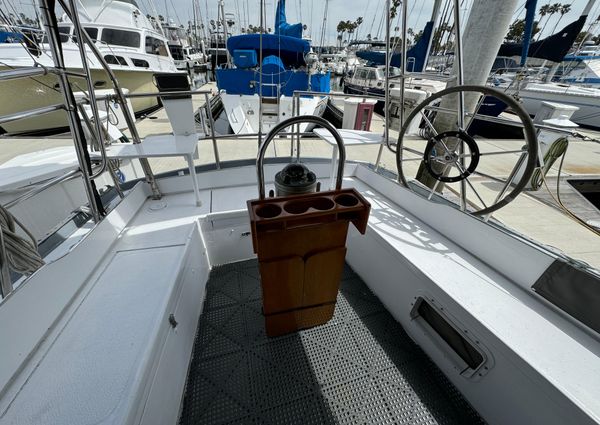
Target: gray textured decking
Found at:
361, 367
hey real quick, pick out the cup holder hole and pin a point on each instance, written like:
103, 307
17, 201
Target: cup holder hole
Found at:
296, 207
268, 211
346, 200
322, 204
301, 206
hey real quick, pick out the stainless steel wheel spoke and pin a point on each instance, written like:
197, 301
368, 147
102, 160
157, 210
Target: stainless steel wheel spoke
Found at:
520, 151
462, 170
411, 150
472, 116
437, 184
428, 122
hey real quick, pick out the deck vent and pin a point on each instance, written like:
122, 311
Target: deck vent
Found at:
455, 340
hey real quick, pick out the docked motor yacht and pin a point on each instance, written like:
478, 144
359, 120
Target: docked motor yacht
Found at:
185, 56
128, 41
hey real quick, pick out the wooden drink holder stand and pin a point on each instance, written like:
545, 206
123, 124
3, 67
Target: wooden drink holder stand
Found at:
300, 242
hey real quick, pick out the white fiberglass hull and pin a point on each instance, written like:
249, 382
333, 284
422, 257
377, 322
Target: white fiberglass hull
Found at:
586, 99
243, 111
26, 94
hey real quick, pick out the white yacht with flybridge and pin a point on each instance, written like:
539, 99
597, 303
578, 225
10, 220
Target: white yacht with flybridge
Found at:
291, 289
133, 45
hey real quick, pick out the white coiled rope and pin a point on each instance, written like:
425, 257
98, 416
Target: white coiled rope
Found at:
22, 254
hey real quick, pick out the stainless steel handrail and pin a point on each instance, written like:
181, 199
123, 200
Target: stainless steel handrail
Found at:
34, 71
48, 18
317, 93
155, 94
78, 31
31, 112
120, 98
310, 119
212, 130
40, 188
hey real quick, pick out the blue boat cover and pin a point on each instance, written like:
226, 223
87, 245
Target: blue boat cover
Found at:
10, 37
415, 55
291, 50
246, 81
320, 82
281, 25
244, 58
272, 65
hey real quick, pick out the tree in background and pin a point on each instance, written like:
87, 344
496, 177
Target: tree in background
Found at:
517, 30
563, 10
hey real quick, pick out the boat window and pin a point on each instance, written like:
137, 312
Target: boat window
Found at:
115, 60
372, 75
63, 32
120, 37
92, 32
176, 52
361, 74
140, 63
154, 46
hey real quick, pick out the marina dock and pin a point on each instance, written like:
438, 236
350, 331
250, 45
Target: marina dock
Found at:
534, 214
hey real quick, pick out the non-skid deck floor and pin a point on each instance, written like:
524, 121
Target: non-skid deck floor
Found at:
361, 367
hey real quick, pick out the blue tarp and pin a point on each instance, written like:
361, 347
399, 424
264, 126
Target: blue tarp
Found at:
245, 81
245, 58
320, 82
291, 50
272, 65
281, 25
415, 56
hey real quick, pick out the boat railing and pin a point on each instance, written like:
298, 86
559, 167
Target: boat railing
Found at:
75, 114
296, 112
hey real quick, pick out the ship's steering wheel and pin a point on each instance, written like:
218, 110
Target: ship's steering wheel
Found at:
438, 156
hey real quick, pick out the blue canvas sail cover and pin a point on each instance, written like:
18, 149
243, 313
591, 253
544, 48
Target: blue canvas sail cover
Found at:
281, 25
416, 55
291, 50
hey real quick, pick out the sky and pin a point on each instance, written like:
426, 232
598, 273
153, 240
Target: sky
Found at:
311, 13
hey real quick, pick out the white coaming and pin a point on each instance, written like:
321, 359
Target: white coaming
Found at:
421, 246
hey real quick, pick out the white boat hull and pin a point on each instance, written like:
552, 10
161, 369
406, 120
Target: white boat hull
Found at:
586, 99
26, 94
243, 111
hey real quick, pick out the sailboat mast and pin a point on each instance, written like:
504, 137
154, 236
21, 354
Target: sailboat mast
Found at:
435, 13
531, 7
324, 25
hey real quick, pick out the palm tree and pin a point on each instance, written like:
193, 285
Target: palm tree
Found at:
564, 9
551, 10
544, 10
358, 23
